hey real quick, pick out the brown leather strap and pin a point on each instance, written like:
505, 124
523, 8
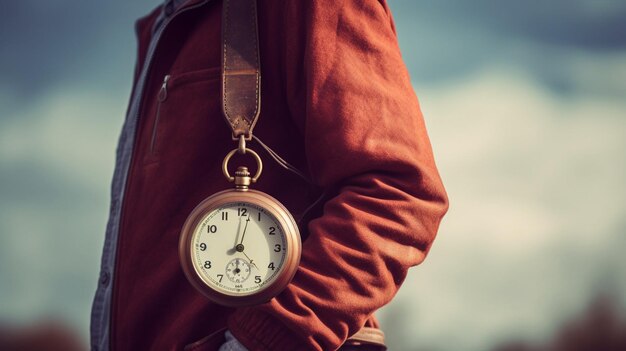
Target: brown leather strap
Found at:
368, 336
241, 69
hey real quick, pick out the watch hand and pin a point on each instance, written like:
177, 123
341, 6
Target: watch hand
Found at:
244, 230
234, 249
238, 231
251, 260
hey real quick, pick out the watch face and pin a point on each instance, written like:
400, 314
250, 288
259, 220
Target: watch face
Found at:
238, 248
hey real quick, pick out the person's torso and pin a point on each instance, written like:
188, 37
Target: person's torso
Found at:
180, 142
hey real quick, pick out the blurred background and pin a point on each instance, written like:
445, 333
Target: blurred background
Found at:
526, 109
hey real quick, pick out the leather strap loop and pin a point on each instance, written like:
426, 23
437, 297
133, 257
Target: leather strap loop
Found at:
241, 69
368, 336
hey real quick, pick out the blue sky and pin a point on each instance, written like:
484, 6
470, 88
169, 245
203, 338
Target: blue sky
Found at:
524, 104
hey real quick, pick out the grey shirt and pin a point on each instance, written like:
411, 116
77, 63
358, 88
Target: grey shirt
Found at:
101, 307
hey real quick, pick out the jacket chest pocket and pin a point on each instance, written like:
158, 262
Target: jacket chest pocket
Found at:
186, 118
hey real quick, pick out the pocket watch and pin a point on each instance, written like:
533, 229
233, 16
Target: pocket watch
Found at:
240, 247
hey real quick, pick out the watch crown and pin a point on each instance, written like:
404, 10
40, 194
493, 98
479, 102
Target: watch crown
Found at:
242, 178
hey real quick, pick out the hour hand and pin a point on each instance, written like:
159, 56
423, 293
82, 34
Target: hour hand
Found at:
237, 235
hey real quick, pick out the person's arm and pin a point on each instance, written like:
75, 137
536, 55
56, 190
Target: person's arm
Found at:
350, 93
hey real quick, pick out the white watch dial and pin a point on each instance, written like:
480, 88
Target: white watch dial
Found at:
238, 248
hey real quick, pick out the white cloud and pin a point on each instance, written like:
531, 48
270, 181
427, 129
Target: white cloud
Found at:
537, 191
71, 131
56, 159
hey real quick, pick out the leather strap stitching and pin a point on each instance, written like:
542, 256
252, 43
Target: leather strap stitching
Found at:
246, 113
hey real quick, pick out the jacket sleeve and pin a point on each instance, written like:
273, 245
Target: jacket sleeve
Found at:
350, 93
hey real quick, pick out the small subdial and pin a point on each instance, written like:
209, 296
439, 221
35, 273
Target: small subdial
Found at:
238, 270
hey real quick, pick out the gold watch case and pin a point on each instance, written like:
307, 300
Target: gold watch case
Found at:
241, 195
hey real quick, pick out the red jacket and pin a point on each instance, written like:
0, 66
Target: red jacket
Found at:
337, 103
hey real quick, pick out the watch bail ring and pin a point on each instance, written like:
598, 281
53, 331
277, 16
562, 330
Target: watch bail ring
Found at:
245, 151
